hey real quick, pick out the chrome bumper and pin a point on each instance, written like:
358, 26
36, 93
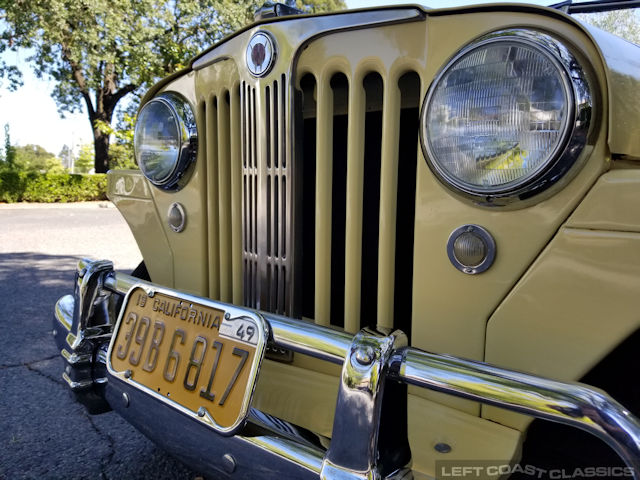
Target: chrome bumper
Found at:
369, 439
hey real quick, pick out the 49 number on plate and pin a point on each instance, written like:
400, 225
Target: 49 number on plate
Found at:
188, 353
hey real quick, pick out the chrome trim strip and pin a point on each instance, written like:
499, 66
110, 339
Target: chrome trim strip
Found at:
76, 385
74, 358
302, 455
310, 339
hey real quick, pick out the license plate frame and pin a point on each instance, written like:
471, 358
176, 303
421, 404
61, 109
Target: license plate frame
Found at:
227, 317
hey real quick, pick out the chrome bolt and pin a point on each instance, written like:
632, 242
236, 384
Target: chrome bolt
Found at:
151, 293
228, 463
442, 447
365, 355
128, 373
227, 316
125, 399
201, 411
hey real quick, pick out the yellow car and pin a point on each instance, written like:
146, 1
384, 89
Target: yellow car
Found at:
378, 243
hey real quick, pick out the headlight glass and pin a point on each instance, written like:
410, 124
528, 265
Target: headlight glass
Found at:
165, 139
499, 114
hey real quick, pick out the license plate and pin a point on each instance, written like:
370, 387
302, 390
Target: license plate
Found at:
197, 355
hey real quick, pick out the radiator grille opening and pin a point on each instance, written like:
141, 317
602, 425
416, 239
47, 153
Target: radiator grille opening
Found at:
405, 221
307, 137
371, 126
340, 87
373, 86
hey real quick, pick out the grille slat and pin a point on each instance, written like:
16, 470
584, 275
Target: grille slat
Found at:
224, 196
236, 194
388, 201
355, 188
324, 176
223, 115
212, 188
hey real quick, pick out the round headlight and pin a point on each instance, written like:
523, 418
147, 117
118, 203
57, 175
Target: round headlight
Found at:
165, 140
506, 117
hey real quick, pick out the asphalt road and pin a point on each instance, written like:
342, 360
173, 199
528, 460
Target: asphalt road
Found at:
44, 434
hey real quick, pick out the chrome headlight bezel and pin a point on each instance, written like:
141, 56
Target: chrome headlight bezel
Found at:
185, 123
562, 163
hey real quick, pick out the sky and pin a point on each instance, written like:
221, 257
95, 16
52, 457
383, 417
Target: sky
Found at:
32, 114
33, 117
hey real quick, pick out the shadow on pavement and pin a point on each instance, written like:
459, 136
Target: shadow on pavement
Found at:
43, 432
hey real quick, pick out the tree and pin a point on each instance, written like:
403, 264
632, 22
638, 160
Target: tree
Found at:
34, 158
100, 51
9, 150
85, 160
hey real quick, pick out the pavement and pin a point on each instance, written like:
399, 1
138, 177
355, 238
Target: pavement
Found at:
44, 434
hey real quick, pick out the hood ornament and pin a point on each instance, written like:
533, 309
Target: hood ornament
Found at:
260, 54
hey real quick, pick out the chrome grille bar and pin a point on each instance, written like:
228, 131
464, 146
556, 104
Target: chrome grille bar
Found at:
268, 197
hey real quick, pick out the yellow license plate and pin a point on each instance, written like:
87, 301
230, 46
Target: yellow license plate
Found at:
199, 356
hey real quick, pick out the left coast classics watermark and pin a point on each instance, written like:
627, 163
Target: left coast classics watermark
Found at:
490, 470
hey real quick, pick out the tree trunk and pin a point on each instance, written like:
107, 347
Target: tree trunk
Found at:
101, 148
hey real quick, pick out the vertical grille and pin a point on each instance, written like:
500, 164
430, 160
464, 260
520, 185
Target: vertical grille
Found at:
267, 198
360, 142
356, 138
221, 112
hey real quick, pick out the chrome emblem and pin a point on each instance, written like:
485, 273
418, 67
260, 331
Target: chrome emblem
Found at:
260, 54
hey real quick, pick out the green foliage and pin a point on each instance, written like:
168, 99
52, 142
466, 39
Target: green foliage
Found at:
18, 186
54, 165
623, 23
34, 158
12, 185
84, 162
